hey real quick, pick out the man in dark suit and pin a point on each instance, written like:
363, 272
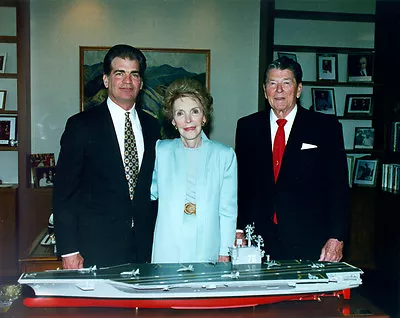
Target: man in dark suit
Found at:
96, 220
304, 213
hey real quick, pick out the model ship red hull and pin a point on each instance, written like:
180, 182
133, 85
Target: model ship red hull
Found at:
193, 303
194, 286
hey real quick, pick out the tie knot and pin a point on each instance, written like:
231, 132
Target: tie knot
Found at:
281, 122
127, 115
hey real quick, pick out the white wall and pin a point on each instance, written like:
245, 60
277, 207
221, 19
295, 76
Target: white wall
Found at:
229, 28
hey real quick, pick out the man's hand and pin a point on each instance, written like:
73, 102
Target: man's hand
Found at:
223, 259
72, 262
332, 251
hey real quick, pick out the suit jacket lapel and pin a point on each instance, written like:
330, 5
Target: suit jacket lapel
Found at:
111, 143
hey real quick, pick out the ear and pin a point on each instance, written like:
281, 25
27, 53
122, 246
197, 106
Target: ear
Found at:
141, 84
105, 80
299, 90
265, 91
173, 123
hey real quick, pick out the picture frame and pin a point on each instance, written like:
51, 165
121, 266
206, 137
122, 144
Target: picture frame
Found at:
42, 159
289, 55
350, 167
366, 171
324, 100
327, 68
359, 105
193, 63
44, 176
360, 67
3, 95
3, 58
8, 129
364, 137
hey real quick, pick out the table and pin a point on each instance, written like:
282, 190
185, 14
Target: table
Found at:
39, 257
357, 306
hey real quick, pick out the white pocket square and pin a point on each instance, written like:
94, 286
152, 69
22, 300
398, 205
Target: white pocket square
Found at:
307, 146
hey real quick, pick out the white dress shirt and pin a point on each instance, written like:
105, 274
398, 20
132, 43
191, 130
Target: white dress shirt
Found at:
288, 126
118, 118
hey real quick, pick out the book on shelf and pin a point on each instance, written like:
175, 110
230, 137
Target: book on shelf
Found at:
391, 177
395, 137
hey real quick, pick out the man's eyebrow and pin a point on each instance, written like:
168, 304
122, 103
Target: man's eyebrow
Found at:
124, 71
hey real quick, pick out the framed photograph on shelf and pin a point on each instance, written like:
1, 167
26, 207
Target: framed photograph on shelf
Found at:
8, 129
44, 176
364, 138
360, 67
289, 55
327, 68
42, 159
366, 171
358, 105
3, 95
350, 166
3, 57
324, 100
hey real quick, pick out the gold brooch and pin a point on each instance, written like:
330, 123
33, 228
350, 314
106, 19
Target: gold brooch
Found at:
190, 208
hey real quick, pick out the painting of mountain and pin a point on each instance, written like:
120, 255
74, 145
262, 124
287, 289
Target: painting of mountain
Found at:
163, 67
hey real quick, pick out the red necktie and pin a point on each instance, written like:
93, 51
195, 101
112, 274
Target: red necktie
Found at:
277, 152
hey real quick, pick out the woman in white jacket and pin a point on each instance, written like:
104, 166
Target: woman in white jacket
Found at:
195, 182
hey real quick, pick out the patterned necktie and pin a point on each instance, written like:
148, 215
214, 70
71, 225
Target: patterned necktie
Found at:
277, 152
131, 161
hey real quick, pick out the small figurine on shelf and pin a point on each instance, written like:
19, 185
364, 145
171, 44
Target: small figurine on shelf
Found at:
243, 253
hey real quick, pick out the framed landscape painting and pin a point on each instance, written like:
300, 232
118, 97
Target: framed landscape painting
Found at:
163, 67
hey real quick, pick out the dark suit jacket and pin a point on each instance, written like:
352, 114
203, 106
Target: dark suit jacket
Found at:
311, 196
92, 210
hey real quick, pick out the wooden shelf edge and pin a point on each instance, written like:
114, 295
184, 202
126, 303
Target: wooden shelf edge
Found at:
324, 16
8, 75
347, 84
11, 112
321, 49
8, 148
8, 39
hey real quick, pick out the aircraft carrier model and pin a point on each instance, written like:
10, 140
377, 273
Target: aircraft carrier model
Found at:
193, 285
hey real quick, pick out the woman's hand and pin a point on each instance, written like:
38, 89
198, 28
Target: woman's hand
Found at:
223, 259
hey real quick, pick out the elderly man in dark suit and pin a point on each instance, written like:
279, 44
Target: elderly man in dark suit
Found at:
100, 219
299, 202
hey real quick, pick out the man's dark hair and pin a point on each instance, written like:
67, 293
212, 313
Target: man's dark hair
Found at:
285, 63
124, 51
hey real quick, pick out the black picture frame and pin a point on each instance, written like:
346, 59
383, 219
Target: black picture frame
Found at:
359, 105
324, 100
364, 137
289, 55
327, 68
8, 129
3, 95
44, 176
3, 58
358, 63
366, 171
